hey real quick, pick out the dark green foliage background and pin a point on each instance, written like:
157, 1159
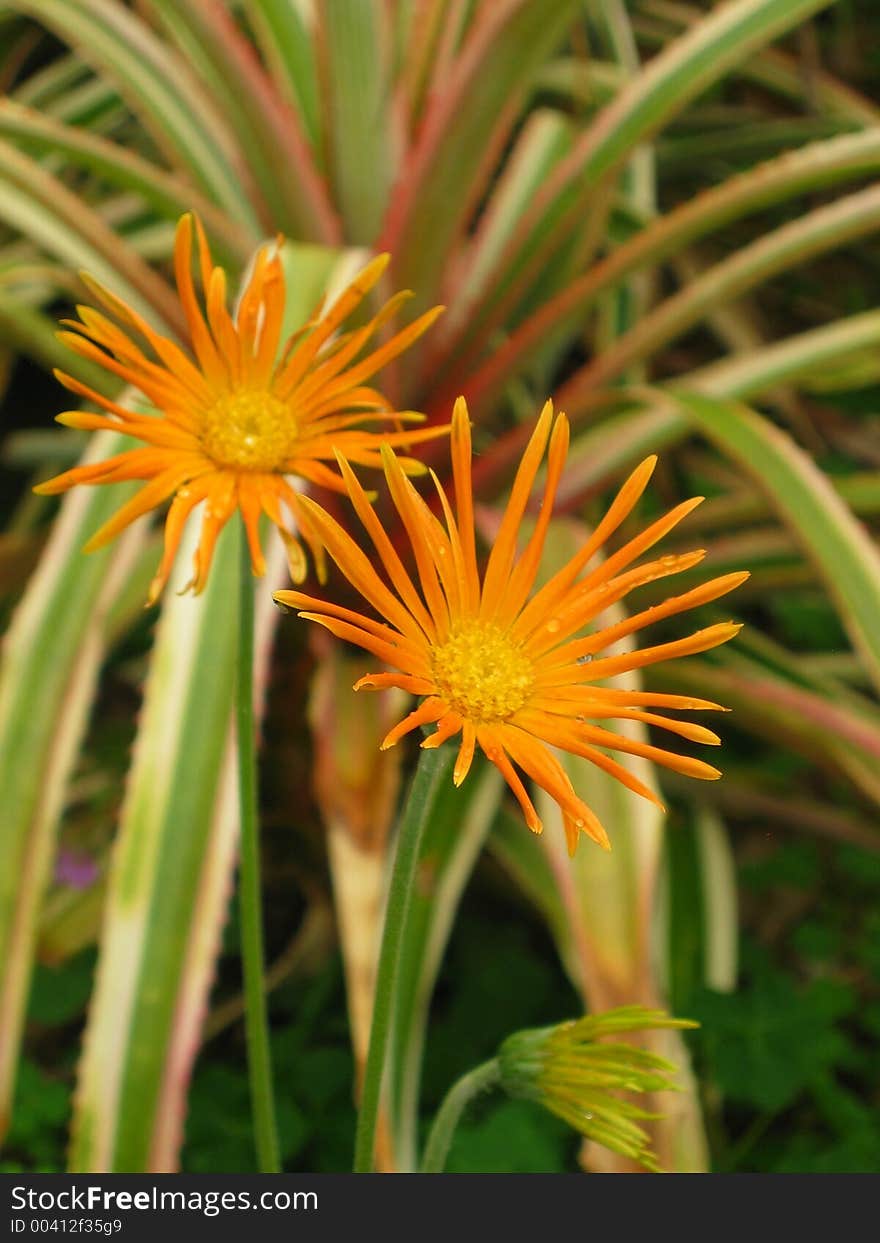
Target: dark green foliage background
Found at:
787, 1063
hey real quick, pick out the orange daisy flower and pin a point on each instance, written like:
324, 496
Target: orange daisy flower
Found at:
242, 412
512, 671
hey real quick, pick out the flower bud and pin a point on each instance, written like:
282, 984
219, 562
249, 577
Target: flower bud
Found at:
576, 1072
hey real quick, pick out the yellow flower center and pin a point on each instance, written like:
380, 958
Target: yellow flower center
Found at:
249, 430
483, 674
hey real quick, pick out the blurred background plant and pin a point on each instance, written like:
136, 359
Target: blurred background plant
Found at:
655, 211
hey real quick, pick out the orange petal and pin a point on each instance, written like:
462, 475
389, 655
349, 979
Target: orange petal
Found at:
300, 359
544, 603
401, 681
523, 577
220, 504
560, 733
465, 752
358, 570
179, 510
494, 751
450, 724
380, 630
392, 655
460, 446
203, 346
431, 710
700, 641
151, 495
684, 764
504, 547
394, 567
422, 537
534, 758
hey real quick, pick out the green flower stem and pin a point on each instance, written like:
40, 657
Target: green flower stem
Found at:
456, 1100
430, 774
250, 898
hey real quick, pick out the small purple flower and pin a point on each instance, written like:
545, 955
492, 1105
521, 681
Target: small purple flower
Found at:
79, 871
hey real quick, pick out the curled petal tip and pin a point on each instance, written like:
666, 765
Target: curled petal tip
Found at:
154, 592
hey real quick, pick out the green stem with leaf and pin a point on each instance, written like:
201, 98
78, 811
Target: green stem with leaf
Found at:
432, 771
250, 897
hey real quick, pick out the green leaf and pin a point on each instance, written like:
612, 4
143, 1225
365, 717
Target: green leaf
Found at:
511, 1138
813, 725
822, 164
546, 137
122, 168
814, 233
358, 99
287, 48
168, 883
768, 1042
51, 661
42, 209
721, 40
581, 184
269, 136
442, 173
160, 87
454, 837
778, 71
839, 546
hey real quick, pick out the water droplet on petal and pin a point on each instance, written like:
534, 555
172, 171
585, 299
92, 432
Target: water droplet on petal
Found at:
585, 660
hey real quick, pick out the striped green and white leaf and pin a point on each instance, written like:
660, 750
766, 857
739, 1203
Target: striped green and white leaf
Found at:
52, 656
845, 555
454, 837
364, 138
820, 165
160, 87
723, 39
447, 166
169, 881
278, 174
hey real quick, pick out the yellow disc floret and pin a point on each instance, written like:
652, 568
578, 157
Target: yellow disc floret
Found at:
484, 675
249, 430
